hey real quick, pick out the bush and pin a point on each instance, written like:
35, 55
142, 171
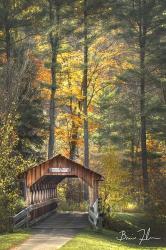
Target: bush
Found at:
73, 206
157, 206
116, 186
11, 166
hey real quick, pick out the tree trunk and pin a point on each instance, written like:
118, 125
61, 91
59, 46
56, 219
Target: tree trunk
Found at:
85, 105
132, 159
73, 142
142, 42
73, 148
84, 88
7, 42
7, 30
163, 87
54, 43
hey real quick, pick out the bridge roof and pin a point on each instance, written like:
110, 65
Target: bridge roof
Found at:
58, 166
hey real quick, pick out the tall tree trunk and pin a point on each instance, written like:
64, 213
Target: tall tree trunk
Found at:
142, 42
84, 88
7, 41
5, 4
54, 43
132, 165
73, 142
132, 156
163, 87
85, 104
133, 143
73, 148
74, 129
8, 47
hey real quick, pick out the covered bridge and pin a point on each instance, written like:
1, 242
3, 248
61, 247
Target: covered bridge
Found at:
39, 183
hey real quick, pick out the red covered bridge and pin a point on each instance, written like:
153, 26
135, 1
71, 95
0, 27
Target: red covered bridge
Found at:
39, 186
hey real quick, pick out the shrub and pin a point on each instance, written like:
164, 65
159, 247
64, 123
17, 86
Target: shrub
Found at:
115, 188
10, 166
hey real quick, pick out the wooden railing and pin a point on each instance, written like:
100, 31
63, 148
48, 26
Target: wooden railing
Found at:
34, 213
20, 219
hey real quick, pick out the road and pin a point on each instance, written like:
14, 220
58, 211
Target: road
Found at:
54, 231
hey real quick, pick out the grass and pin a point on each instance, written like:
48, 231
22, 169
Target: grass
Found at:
10, 240
107, 239
132, 222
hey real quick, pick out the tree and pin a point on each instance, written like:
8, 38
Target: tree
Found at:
140, 17
31, 126
57, 12
115, 189
18, 74
17, 19
11, 165
85, 86
54, 43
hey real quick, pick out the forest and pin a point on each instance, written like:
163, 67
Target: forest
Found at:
85, 79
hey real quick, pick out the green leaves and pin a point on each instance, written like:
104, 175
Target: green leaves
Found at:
11, 165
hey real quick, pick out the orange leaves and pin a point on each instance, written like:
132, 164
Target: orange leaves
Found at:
43, 74
3, 58
152, 144
91, 108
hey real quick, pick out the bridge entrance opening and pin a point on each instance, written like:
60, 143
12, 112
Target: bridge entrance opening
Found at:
71, 195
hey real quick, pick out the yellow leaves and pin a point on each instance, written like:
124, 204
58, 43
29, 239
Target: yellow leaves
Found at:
114, 190
41, 44
29, 11
70, 74
72, 91
45, 94
103, 67
126, 65
106, 60
69, 118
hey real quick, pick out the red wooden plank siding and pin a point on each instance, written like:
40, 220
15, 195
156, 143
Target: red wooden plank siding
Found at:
41, 176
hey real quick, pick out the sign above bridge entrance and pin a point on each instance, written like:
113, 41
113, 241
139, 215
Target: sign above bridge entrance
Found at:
59, 170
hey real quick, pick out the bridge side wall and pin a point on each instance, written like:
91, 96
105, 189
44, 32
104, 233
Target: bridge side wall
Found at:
41, 183
40, 192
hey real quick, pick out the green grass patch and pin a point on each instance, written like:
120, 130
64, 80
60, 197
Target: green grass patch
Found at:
10, 240
105, 240
130, 223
